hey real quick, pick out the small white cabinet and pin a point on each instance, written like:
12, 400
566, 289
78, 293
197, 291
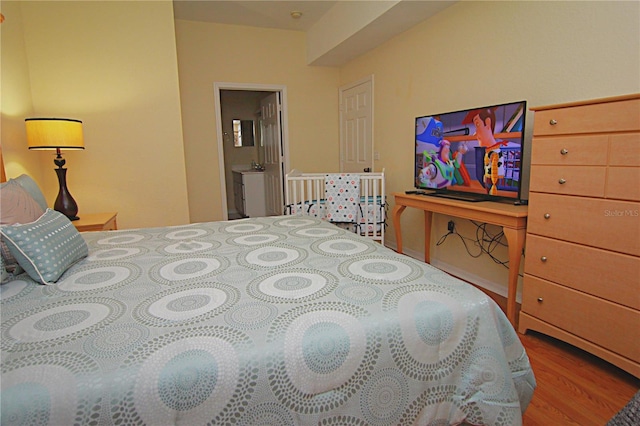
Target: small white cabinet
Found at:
248, 193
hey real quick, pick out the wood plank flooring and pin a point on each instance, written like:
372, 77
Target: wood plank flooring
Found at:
574, 387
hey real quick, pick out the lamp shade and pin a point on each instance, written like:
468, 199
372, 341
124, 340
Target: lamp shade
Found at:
54, 133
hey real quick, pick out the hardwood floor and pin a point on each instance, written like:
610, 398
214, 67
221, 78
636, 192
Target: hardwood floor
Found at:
574, 387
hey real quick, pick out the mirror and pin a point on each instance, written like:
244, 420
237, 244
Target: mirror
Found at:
243, 133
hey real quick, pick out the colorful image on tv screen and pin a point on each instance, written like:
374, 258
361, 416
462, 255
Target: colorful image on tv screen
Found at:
477, 150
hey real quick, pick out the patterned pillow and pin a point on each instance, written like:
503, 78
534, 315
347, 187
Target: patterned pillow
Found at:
47, 247
16, 206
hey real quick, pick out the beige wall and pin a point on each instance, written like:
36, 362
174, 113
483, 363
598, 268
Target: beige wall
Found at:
210, 53
15, 95
482, 53
112, 65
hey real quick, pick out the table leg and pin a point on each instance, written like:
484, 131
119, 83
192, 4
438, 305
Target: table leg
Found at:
397, 211
427, 235
515, 241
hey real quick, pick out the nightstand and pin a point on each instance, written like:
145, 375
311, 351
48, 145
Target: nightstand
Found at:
96, 222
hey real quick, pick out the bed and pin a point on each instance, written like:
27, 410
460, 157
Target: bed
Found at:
286, 320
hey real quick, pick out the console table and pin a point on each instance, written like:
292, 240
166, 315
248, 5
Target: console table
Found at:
512, 219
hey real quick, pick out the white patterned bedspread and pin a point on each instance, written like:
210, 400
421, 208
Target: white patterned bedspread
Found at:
268, 321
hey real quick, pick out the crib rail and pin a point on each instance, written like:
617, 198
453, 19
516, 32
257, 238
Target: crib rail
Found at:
305, 194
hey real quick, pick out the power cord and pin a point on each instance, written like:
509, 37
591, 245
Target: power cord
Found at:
484, 240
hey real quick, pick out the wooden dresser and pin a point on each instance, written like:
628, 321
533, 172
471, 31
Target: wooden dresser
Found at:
582, 263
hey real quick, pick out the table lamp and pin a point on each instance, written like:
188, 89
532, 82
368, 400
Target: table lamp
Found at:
58, 134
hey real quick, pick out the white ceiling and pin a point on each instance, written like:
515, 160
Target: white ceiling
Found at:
277, 14
256, 13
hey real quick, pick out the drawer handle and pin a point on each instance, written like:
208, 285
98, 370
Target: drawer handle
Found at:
553, 122
547, 215
562, 181
540, 300
564, 151
543, 258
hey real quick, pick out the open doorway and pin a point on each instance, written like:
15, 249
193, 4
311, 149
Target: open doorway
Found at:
252, 146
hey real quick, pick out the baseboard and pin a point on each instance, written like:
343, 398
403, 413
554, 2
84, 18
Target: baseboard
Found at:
461, 273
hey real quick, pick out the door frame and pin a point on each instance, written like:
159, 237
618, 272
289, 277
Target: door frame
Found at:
284, 129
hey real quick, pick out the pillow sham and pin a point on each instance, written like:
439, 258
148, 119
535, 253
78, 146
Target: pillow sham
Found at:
16, 206
47, 247
33, 189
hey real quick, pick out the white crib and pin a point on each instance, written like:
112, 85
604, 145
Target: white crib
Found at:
305, 194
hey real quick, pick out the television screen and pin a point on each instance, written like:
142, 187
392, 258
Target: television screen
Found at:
474, 152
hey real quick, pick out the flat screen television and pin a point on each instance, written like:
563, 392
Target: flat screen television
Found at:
473, 154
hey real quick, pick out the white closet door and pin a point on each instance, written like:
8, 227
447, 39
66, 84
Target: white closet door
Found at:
356, 127
273, 157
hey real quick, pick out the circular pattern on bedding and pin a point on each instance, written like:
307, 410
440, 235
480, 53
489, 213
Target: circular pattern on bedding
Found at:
325, 346
321, 263
485, 375
341, 247
508, 334
122, 238
15, 290
317, 232
118, 253
185, 234
186, 268
96, 277
26, 404
183, 387
237, 275
181, 372
189, 246
267, 414
436, 324
59, 322
186, 305
328, 356
44, 389
251, 316
384, 397
292, 286
342, 421
380, 270
435, 407
242, 227
359, 294
137, 290
116, 340
296, 222
272, 256
255, 239
433, 321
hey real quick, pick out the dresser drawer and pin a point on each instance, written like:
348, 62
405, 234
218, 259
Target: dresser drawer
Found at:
624, 149
608, 224
604, 323
609, 275
588, 150
623, 183
617, 116
573, 180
